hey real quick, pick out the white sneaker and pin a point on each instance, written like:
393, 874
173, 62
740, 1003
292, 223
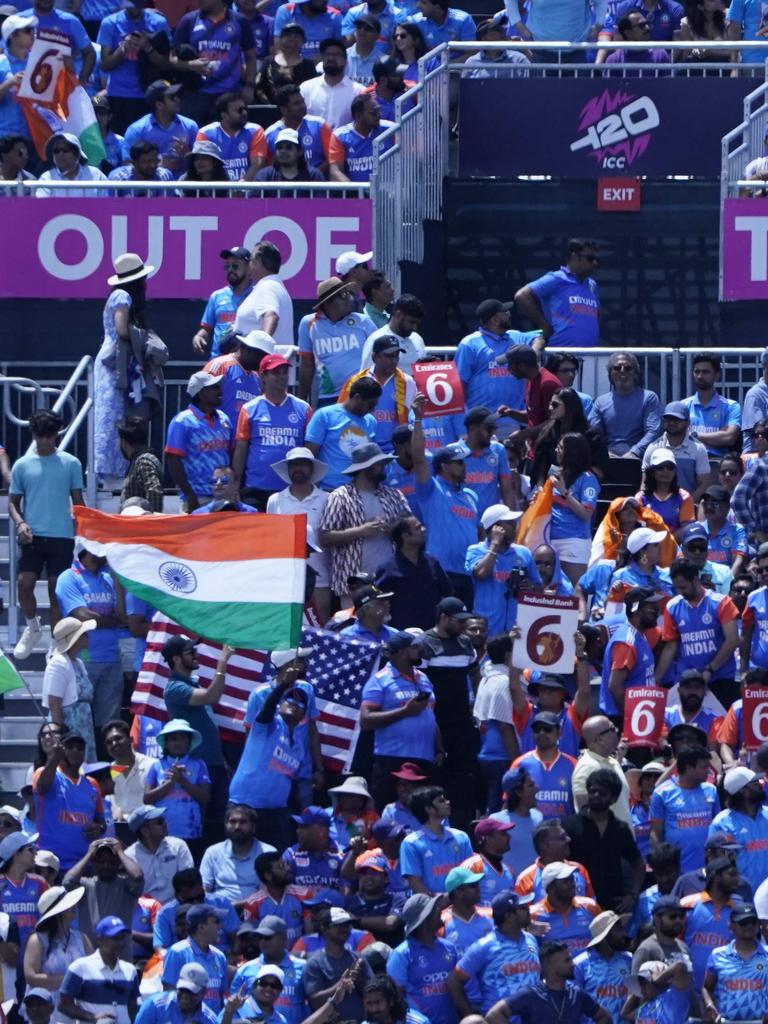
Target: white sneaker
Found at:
26, 644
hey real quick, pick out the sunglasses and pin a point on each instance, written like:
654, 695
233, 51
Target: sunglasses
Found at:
696, 547
666, 465
266, 983
605, 732
622, 368
222, 480
545, 728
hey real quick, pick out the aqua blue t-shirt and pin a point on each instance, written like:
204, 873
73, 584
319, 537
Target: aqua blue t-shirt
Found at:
571, 306
564, 523
337, 432
77, 588
270, 760
124, 80
486, 468
12, 120
686, 815
450, 516
45, 483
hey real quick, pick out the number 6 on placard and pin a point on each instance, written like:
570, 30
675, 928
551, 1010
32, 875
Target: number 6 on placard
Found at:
439, 390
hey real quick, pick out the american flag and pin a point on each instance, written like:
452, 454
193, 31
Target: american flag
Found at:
338, 669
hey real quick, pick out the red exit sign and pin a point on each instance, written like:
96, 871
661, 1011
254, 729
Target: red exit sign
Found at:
618, 195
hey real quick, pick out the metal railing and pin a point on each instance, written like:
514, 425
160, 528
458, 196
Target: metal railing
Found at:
411, 159
283, 189
745, 142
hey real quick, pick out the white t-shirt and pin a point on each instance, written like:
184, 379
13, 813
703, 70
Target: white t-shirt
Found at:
414, 346
331, 102
59, 680
283, 503
269, 295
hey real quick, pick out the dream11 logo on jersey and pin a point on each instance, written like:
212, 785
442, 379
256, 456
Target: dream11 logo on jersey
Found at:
618, 128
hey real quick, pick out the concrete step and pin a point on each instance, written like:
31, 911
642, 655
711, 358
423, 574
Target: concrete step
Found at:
21, 729
13, 775
33, 679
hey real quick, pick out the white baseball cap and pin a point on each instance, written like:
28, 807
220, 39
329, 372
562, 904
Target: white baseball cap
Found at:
556, 871
201, 379
288, 135
737, 778
662, 455
642, 537
193, 977
349, 260
259, 339
16, 22
498, 514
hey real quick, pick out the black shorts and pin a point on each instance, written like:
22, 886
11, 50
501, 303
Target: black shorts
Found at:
54, 554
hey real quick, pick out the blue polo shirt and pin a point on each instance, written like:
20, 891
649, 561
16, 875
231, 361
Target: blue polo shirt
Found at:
485, 381
604, 979
219, 317
571, 306
491, 598
223, 42
186, 952
62, 26
431, 857
450, 516
123, 81
337, 347
500, 965
486, 468
664, 20
337, 432
77, 588
270, 760
322, 26
410, 737
458, 25
686, 815
149, 129
717, 415
202, 441
422, 972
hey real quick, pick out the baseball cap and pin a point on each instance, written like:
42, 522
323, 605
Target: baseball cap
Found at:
480, 414
690, 675
402, 640
200, 912
313, 815
498, 514
176, 644
668, 904
387, 830
111, 926
140, 815
457, 877
456, 452
201, 379
372, 860
47, 859
15, 22
387, 343
636, 596
743, 912
158, 89
368, 21
237, 252
454, 607
271, 971
661, 455
716, 865
679, 410
193, 977
337, 915
648, 971
546, 718
513, 779
280, 658
548, 682
260, 340
555, 872
288, 135
38, 993
364, 595
349, 260
735, 780
270, 925
505, 901
721, 841
519, 354
700, 737
489, 826
14, 842
490, 307
273, 362
331, 897
694, 531
641, 537
717, 493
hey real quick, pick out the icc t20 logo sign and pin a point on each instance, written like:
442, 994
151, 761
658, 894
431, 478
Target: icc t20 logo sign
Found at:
617, 128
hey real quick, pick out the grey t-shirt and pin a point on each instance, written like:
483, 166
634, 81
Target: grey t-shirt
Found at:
322, 971
376, 550
667, 950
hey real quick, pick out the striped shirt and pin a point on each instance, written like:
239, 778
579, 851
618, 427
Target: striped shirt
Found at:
101, 989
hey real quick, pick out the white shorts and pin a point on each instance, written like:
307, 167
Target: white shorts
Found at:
573, 549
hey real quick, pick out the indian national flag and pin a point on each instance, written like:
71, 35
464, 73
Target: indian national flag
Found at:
533, 529
9, 677
231, 577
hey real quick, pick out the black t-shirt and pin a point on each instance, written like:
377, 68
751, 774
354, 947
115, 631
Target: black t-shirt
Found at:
447, 661
602, 854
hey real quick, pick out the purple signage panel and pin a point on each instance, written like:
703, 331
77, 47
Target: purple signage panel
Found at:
596, 127
63, 248
745, 249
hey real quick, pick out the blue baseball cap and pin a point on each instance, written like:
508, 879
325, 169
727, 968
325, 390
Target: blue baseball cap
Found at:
388, 830
313, 815
325, 896
514, 779
14, 842
111, 926
679, 410
505, 901
200, 912
694, 531
142, 814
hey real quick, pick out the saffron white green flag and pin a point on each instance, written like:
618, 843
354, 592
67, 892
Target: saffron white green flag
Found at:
232, 577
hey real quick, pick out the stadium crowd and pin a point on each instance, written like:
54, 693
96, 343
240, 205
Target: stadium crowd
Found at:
503, 847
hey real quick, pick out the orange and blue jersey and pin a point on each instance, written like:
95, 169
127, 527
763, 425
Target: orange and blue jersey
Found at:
698, 628
726, 545
493, 880
529, 881
314, 138
500, 966
19, 902
422, 973
288, 908
755, 617
271, 430
290, 1002
741, 986
706, 930
238, 151
238, 385
317, 28
63, 812
752, 835
570, 729
704, 719
353, 151
605, 979
555, 796
572, 927
222, 41
202, 441
676, 509
486, 468
686, 814
431, 857
631, 650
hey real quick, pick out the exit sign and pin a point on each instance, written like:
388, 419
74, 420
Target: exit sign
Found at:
618, 195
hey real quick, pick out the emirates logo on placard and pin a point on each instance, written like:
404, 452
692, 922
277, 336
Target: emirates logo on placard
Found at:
617, 128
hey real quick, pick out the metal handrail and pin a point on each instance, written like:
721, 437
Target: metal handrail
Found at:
24, 384
23, 186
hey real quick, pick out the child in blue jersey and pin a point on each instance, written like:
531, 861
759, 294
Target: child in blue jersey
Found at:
427, 856
177, 782
660, 993
574, 498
